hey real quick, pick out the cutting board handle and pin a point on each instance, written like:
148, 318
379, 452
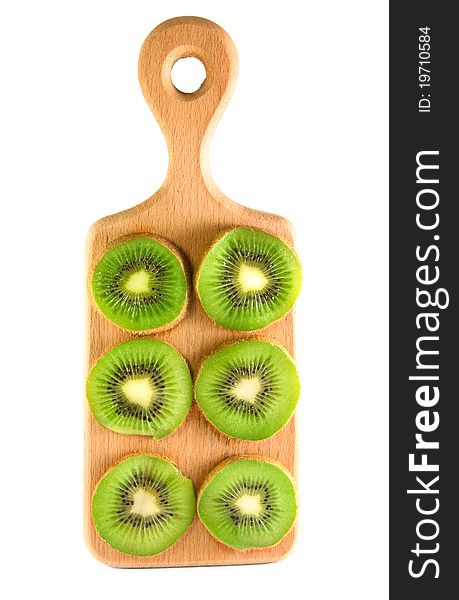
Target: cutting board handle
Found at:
187, 120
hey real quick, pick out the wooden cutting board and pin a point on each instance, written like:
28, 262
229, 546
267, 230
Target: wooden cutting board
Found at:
189, 210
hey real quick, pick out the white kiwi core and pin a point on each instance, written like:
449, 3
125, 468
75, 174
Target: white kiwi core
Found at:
146, 503
249, 505
251, 279
247, 389
138, 282
139, 391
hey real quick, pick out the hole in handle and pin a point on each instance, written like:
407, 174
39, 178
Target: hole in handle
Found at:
188, 74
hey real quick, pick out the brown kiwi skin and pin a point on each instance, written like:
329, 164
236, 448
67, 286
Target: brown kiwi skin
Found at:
225, 345
175, 251
198, 274
130, 455
258, 458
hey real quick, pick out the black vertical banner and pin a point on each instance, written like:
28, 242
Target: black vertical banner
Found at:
424, 306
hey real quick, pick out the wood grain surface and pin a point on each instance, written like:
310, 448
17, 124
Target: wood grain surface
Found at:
189, 211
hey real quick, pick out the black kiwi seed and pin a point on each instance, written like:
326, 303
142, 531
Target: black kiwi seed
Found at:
146, 482
237, 297
263, 398
124, 408
239, 489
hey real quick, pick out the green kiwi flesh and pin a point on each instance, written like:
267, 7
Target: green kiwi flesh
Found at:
248, 503
140, 284
142, 387
248, 279
143, 505
248, 389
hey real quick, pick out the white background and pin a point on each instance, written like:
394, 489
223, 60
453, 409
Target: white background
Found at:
305, 135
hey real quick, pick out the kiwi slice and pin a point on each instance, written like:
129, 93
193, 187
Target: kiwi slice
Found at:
248, 279
142, 387
143, 505
248, 502
248, 389
140, 284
